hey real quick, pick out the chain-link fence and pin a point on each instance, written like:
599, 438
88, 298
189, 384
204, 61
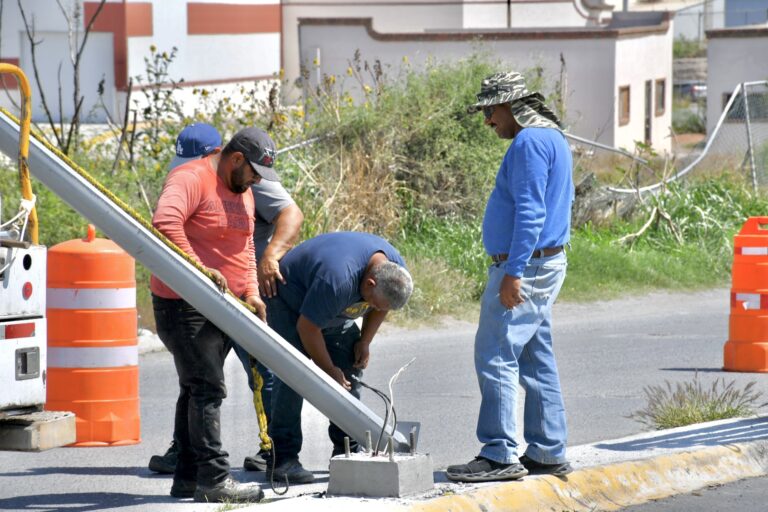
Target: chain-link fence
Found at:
740, 139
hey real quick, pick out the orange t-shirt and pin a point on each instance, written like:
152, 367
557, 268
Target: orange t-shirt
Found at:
212, 224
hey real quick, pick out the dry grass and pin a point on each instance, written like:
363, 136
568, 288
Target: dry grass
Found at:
350, 190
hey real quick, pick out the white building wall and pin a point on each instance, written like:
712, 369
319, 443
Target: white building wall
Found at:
733, 59
482, 14
639, 59
418, 17
226, 60
205, 57
588, 59
53, 53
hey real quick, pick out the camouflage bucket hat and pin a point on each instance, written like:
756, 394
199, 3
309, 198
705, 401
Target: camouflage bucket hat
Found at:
500, 88
528, 108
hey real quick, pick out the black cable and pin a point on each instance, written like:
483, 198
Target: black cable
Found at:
272, 475
387, 406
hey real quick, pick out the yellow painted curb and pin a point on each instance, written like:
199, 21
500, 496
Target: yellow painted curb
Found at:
614, 486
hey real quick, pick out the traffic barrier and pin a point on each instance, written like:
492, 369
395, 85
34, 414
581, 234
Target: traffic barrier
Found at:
92, 340
747, 347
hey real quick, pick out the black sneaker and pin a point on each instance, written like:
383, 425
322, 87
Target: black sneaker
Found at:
293, 470
538, 468
229, 491
183, 488
165, 464
257, 462
485, 470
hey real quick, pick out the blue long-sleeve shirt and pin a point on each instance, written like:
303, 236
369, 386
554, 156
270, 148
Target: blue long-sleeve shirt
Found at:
530, 207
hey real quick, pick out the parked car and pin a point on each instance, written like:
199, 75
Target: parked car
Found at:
694, 91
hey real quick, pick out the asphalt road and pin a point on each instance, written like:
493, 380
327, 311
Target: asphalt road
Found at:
607, 352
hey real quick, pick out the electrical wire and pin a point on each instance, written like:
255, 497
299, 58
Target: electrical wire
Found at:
392, 393
387, 408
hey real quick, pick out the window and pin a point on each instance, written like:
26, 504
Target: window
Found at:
623, 105
661, 94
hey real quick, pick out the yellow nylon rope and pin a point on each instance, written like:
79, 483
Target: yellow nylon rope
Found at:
266, 442
24, 129
258, 405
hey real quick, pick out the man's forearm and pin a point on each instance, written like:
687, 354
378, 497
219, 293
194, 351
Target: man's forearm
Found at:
287, 228
314, 343
371, 323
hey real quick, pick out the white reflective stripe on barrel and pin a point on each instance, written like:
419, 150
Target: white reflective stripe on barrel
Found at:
750, 300
92, 357
91, 298
754, 251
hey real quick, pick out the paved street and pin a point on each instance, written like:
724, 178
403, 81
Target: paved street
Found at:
607, 352
745, 495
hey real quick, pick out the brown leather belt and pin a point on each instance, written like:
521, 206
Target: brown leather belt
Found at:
538, 253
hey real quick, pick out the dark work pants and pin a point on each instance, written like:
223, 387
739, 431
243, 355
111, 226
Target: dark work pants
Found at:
285, 426
199, 349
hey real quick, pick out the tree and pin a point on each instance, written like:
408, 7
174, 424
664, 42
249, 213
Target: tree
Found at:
66, 138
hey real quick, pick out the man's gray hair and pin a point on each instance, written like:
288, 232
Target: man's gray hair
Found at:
393, 283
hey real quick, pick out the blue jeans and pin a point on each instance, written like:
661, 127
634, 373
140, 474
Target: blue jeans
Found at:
285, 426
267, 377
515, 345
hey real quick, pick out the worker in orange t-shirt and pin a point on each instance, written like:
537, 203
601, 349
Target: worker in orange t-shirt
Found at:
207, 209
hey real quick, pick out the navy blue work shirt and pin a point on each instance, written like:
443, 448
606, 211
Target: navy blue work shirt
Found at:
323, 275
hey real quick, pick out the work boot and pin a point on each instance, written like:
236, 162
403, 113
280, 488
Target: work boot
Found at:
165, 464
183, 488
291, 469
257, 462
485, 470
538, 468
229, 491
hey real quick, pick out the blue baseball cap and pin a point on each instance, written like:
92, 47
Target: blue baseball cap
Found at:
195, 141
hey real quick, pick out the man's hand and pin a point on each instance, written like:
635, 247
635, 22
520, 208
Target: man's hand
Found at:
509, 292
256, 303
362, 355
268, 271
338, 375
218, 279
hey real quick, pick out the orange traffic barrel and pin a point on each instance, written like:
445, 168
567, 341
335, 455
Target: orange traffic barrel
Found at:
92, 340
747, 347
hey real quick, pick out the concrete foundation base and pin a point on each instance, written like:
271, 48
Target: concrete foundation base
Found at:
37, 431
377, 477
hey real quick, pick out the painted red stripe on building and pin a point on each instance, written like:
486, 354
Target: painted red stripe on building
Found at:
123, 20
210, 19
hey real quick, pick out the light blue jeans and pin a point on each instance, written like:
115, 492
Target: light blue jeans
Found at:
515, 345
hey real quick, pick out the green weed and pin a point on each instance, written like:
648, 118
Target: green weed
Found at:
688, 48
687, 403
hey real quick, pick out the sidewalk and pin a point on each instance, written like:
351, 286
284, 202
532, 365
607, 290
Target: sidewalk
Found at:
609, 475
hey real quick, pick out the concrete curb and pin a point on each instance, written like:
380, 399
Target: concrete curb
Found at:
610, 475
616, 486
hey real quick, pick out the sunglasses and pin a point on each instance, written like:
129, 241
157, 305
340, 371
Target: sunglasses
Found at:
488, 111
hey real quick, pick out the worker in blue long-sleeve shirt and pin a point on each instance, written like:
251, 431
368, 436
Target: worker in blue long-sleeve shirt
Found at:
525, 230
